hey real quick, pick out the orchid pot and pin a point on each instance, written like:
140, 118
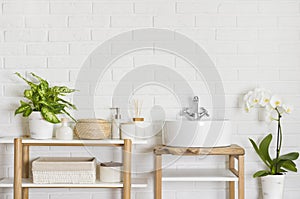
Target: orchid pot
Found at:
272, 186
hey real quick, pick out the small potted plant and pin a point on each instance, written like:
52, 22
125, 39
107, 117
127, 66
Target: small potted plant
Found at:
43, 104
273, 176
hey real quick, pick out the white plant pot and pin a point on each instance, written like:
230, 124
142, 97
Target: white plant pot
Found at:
272, 186
40, 128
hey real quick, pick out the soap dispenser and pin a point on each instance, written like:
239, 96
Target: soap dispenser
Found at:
64, 132
116, 120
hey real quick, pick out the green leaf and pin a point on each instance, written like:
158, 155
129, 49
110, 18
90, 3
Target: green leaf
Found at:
49, 115
42, 92
54, 107
58, 108
44, 103
35, 98
63, 89
27, 112
66, 112
44, 84
259, 153
23, 103
261, 173
254, 145
28, 94
31, 84
264, 148
68, 103
22, 109
290, 156
289, 165
282, 171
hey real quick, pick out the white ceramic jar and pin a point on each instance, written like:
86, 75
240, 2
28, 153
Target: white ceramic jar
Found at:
64, 132
111, 171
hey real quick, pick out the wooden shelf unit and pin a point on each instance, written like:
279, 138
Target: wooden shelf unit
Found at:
231, 175
21, 181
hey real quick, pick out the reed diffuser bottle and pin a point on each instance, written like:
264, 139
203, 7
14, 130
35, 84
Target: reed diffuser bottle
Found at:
137, 105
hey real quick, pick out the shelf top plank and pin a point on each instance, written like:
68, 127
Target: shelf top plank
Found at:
53, 141
27, 182
229, 150
190, 175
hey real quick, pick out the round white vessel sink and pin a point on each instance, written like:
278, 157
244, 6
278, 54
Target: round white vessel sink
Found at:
206, 133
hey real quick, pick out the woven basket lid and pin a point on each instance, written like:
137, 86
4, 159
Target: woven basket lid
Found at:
91, 120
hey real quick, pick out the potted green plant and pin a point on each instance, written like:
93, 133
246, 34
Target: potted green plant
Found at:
273, 176
43, 104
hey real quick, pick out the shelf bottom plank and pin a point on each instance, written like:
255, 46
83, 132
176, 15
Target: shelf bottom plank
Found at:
27, 182
190, 175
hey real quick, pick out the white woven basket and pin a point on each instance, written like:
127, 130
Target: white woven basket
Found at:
64, 170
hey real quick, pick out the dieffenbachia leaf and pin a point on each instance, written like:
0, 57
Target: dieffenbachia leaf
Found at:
22, 109
31, 84
49, 115
63, 89
27, 112
28, 94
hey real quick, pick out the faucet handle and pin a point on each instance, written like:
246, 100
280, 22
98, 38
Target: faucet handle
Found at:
204, 111
184, 111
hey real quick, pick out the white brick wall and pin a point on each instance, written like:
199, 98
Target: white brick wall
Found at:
252, 43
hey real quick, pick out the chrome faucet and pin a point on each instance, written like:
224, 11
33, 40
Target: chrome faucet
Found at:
195, 113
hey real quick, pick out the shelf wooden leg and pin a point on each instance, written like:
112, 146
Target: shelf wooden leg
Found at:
127, 169
25, 169
241, 177
158, 177
18, 168
231, 183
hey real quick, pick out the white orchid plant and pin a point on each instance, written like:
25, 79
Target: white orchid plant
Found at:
274, 109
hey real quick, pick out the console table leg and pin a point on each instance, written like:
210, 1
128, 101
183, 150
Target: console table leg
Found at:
231, 183
158, 177
18, 168
25, 169
241, 177
127, 169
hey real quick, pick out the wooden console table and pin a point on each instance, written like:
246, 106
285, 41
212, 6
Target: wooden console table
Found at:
232, 175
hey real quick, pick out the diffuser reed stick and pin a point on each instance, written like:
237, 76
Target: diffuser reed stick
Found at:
137, 105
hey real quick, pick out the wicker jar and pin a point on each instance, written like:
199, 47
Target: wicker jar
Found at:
93, 129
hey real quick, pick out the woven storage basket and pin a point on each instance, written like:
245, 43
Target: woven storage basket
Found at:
93, 129
64, 170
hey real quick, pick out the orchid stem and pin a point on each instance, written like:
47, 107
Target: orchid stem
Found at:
279, 138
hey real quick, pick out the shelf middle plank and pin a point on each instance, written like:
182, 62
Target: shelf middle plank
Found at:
193, 175
27, 182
